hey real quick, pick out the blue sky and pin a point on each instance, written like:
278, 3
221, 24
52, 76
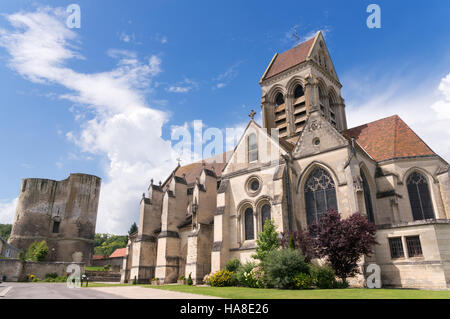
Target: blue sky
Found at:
104, 98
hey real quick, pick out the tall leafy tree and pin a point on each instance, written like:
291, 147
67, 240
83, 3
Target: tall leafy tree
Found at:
5, 231
133, 229
343, 241
267, 240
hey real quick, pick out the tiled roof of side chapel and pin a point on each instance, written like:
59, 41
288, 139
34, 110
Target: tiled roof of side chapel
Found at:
388, 138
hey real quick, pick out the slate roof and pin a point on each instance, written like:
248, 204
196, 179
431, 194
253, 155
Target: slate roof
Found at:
388, 138
289, 58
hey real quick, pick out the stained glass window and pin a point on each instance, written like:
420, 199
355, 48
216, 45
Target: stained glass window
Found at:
419, 197
248, 219
265, 214
320, 195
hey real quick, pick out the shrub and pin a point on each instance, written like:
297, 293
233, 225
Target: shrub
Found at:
222, 278
181, 277
299, 240
340, 284
189, 281
106, 267
41, 251
281, 266
134, 280
323, 276
233, 265
238, 277
267, 240
207, 279
52, 275
302, 281
254, 278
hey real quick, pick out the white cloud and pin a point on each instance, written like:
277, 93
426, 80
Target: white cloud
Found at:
424, 106
120, 124
183, 87
126, 37
7, 210
226, 77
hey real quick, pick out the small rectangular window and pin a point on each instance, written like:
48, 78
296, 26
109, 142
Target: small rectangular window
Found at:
252, 148
55, 227
396, 246
414, 247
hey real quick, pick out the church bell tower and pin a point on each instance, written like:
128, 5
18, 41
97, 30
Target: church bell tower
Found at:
297, 82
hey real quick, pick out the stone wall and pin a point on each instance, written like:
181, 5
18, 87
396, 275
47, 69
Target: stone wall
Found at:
63, 213
115, 263
17, 270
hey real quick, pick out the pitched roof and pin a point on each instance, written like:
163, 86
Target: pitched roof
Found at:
97, 257
289, 58
119, 252
388, 138
215, 163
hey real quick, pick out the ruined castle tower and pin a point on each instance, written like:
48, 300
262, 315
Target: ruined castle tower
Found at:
63, 213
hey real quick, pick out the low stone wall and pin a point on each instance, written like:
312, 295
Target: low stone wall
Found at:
17, 270
115, 263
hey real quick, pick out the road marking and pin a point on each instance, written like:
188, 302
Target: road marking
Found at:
5, 291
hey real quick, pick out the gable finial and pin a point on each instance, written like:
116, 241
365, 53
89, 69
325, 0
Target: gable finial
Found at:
252, 114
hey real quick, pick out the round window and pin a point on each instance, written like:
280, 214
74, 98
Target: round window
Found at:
316, 141
254, 185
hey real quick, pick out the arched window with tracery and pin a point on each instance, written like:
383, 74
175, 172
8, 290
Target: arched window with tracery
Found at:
248, 224
419, 197
320, 195
265, 214
367, 198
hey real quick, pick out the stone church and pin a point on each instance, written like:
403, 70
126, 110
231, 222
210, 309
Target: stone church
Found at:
301, 163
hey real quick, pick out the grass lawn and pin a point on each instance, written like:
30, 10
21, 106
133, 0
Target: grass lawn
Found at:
349, 293
95, 268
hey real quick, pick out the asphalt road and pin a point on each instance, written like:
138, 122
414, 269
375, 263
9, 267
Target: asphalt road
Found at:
16, 290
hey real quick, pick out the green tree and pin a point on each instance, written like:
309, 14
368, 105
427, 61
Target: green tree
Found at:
133, 229
41, 251
37, 251
5, 231
267, 240
105, 244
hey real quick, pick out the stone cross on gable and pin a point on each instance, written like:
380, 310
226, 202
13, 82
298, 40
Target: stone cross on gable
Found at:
252, 114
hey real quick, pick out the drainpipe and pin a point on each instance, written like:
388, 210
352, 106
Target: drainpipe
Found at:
288, 191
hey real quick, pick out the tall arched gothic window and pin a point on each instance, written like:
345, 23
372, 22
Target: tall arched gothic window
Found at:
419, 196
248, 222
252, 148
367, 198
265, 214
320, 195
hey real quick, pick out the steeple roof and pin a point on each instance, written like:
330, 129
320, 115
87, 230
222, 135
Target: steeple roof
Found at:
286, 60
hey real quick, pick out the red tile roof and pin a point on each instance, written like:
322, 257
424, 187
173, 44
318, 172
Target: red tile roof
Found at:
96, 257
119, 252
388, 138
290, 58
216, 163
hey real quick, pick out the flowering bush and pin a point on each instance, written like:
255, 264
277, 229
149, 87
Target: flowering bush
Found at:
302, 281
207, 279
222, 278
253, 278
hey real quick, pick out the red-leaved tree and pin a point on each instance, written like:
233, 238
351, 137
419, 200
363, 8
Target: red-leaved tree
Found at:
343, 241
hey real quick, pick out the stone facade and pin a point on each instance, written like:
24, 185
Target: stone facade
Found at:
198, 219
63, 213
